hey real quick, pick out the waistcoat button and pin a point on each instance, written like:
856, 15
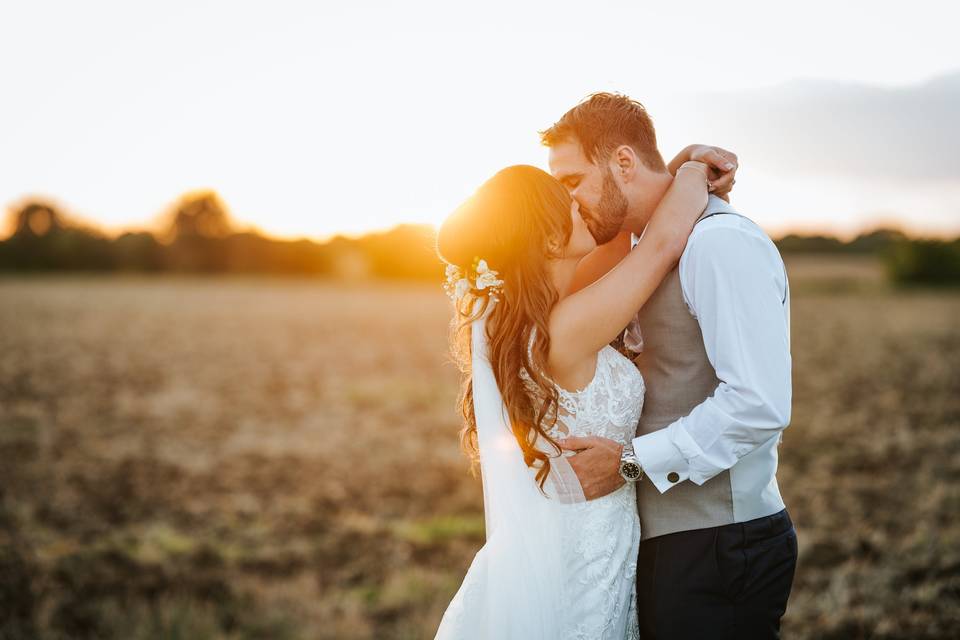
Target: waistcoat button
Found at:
673, 476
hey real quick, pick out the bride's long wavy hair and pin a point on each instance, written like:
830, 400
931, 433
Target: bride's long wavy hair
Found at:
516, 221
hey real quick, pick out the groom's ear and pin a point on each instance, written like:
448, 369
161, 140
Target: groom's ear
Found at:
624, 162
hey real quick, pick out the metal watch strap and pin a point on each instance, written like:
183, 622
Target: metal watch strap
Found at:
628, 456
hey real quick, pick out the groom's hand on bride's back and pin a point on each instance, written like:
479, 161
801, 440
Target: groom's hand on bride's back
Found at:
596, 463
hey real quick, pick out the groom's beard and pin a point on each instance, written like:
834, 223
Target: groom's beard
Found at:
605, 223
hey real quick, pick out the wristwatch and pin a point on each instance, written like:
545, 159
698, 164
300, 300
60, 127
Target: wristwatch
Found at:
630, 468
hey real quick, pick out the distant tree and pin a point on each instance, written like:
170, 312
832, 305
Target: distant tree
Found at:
924, 262
795, 243
251, 252
138, 251
44, 239
37, 219
877, 241
198, 223
199, 214
872, 242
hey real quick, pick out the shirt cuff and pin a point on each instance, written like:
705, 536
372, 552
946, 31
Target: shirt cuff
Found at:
663, 456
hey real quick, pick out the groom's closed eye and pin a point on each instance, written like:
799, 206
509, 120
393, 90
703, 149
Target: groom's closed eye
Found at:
572, 181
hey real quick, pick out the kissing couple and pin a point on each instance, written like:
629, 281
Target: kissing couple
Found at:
624, 338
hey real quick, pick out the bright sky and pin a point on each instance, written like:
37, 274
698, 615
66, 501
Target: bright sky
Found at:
312, 118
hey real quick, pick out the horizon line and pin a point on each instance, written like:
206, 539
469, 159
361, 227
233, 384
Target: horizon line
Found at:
797, 231
7, 226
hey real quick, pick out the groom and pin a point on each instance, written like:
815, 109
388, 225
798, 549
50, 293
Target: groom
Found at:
718, 549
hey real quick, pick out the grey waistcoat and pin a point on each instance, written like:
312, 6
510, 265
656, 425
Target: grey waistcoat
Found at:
678, 377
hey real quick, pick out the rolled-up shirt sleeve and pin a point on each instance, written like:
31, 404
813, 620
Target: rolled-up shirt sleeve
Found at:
734, 283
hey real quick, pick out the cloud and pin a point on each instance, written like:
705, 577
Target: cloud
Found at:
841, 129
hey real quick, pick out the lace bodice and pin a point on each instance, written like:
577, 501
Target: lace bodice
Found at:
608, 406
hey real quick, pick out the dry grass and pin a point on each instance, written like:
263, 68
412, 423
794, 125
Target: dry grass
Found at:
277, 458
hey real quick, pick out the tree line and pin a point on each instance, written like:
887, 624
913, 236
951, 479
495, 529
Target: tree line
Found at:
199, 236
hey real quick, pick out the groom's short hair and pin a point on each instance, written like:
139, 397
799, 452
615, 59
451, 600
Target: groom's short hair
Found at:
603, 122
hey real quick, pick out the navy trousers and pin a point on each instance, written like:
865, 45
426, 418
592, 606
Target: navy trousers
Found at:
724, 583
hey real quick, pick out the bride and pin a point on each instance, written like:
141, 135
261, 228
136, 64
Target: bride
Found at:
538, 367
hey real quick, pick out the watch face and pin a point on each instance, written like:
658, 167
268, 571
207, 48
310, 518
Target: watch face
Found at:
630, 470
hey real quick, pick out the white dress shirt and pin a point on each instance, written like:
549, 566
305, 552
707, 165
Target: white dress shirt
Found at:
734, 283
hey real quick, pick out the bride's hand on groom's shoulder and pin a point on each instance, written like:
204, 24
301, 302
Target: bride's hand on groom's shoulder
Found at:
596, 463
722, 166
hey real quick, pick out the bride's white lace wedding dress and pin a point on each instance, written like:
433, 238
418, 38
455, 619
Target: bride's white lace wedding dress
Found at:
598, 539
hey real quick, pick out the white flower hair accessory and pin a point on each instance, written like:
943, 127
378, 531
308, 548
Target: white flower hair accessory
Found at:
484, 279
